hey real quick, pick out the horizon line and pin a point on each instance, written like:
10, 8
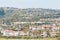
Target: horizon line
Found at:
32, 7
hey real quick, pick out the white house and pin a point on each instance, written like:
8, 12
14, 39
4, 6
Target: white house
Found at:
22, 33
9, 33
39, 28
53, 34
6, 33
43, 34
55, 29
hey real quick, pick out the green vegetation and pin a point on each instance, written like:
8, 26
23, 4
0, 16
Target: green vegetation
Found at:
30, 39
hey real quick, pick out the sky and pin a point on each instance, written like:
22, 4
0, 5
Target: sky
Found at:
51, 4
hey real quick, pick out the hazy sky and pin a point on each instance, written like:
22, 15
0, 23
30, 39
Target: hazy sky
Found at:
54, 4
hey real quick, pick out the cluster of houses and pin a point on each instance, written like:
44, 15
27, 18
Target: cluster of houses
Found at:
30, 30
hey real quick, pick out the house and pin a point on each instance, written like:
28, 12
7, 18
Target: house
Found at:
53, 34
22, 33
46, 27
55, 29
39, 28
44, 34
32, 27
16, 23
6, 33
9, 33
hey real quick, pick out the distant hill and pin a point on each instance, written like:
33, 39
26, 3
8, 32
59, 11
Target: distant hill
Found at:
29, 14
44, 13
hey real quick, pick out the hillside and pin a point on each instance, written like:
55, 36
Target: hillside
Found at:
28, 15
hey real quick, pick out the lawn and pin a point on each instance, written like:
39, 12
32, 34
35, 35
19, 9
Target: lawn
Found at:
30, 39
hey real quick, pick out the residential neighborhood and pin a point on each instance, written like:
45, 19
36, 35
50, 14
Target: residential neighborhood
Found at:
19, 29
